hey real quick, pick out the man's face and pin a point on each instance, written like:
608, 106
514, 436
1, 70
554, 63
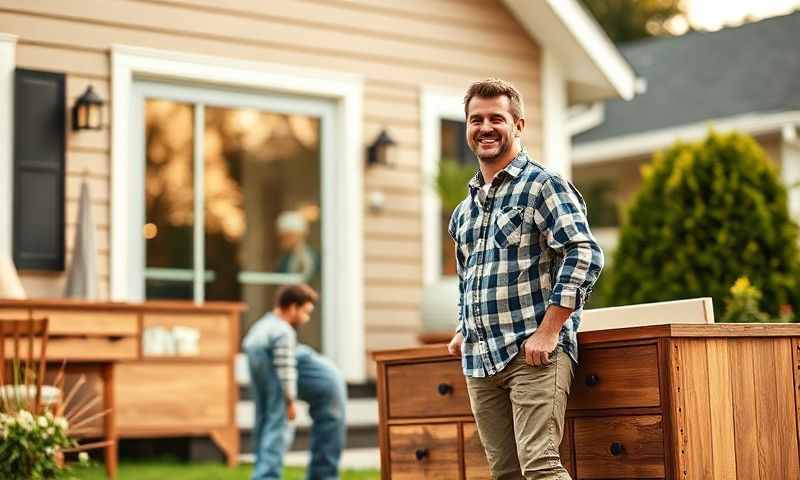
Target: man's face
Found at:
299, 315
491, 129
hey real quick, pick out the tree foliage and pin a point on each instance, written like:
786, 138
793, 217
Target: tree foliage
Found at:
628, 20
707, 214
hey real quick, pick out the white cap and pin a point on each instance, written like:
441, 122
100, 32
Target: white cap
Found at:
291, 222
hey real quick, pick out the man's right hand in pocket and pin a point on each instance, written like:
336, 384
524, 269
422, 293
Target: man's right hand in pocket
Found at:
455, 345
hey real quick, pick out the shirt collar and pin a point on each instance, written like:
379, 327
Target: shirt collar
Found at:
513, 169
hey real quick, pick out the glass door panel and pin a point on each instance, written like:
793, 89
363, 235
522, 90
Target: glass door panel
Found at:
262, 208
169, 199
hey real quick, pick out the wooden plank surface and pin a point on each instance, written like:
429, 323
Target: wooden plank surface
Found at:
413, 390
698, 439
214, 329
723, 434
642, 448
626, 377
439, 444
170, 397
476, 467
97, 323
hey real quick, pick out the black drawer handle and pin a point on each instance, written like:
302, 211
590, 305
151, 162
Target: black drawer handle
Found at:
592, 380
616, 449
421, 453
444, 389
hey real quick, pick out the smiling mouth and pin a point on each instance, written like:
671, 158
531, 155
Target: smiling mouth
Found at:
488, 141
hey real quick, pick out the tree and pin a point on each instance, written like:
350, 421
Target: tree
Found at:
628, 20
707, 214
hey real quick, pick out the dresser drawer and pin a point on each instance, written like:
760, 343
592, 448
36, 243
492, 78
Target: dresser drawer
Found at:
424, 452
616, 377
619, 447
89, 323
432, 389
476, 467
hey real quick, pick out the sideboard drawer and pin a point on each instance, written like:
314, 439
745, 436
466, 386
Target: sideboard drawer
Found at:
476, 467
427, 390
619, 447
89, 323
424, 452
616, 377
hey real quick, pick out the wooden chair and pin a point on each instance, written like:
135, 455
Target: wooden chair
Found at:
31, 333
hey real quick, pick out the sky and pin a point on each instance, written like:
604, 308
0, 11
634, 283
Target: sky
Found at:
715, 14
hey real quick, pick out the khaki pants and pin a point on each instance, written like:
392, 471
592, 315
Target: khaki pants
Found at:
520, 417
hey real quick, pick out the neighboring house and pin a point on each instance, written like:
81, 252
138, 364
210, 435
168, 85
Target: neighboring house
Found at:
233, 157
743, 78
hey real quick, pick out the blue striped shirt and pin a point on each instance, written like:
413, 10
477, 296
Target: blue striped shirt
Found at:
521, 246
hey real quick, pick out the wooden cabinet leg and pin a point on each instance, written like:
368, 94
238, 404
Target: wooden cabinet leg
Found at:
110, 422
228, 441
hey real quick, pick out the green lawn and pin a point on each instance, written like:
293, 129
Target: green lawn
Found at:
172, 470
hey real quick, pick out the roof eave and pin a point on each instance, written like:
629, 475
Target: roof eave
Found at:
593, 66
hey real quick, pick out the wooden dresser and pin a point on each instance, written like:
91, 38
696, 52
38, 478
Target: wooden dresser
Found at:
692, 402
150, 395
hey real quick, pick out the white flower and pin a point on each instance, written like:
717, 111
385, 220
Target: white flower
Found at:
42, 421
62, 423
50, 450
25, 420
83, 457
51, 431
49, 416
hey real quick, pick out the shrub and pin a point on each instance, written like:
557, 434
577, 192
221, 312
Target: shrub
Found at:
707, 214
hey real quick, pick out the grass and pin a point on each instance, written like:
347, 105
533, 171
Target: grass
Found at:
174, 470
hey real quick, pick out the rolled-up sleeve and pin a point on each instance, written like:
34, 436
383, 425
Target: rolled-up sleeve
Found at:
560, 215
452, 228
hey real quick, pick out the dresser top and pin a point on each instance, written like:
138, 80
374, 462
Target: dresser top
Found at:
673, 330
157, 305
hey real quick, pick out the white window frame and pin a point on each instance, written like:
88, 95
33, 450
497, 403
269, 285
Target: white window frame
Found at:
8, 46
343, 328
436, 104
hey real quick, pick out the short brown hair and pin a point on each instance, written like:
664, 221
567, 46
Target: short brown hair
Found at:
298, 294
495, 87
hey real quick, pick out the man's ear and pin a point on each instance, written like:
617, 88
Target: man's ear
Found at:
520, 124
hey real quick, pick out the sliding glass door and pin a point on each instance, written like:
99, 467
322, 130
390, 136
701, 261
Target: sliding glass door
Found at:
233, 196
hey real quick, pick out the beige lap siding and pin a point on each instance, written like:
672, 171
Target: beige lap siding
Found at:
398, 48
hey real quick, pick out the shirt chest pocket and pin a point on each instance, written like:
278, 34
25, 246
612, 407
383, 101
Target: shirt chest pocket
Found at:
508, 227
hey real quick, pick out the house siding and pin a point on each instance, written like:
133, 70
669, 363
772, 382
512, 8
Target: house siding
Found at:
398, 47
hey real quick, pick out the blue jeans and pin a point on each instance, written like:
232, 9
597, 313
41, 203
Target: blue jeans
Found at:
320, 385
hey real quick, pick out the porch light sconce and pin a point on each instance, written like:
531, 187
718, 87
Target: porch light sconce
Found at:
87, 113
381, 152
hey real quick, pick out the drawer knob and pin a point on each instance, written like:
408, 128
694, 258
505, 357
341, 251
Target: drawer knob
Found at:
444, 389
616, 449
421, 453
592, 380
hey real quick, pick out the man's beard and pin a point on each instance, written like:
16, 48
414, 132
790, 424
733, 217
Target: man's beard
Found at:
504, 145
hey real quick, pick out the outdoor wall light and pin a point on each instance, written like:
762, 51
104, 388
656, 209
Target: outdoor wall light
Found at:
87, 113
381, 152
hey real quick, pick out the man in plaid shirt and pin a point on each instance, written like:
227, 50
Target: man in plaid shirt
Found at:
526, 263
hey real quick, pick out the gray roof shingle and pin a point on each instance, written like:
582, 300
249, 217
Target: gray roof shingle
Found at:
708, 75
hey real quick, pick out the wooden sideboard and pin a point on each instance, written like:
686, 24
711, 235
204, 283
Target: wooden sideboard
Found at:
694, 402
150, 395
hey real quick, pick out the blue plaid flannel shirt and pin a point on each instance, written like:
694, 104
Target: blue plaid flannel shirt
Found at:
520, 247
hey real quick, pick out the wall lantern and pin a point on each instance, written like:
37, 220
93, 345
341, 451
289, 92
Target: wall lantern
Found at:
382, 151
87, 113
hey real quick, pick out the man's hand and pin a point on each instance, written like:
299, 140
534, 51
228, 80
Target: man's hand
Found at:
291, 410
538, 347
455, 345
545, 339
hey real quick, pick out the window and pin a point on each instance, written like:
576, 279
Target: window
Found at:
244, 220
462, 165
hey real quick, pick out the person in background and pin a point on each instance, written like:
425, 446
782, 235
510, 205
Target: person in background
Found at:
283, 371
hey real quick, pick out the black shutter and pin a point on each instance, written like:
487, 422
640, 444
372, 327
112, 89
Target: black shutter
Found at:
39, 145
